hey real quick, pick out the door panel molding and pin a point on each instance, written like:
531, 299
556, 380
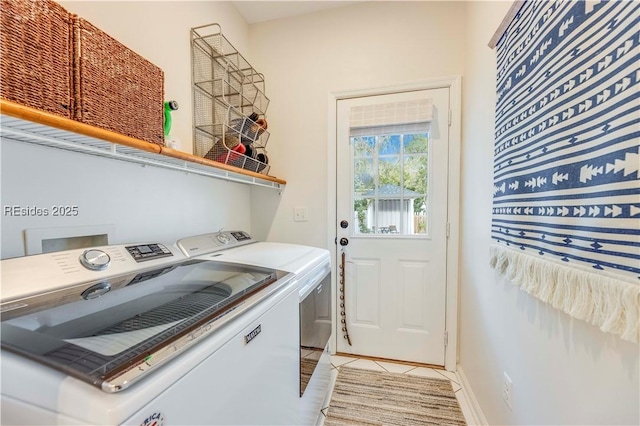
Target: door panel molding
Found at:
414, 296
366, 274
453, 184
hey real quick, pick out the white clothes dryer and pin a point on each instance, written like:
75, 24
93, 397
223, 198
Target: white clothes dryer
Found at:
312, 269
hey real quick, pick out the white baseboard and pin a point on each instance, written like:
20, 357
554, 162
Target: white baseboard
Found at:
474, 406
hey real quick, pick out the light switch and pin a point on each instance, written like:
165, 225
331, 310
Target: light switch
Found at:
300, 214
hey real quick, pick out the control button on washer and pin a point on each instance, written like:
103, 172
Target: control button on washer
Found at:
223, 238
96, 291
95, 260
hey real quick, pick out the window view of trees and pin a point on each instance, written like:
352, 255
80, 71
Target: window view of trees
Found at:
390, 178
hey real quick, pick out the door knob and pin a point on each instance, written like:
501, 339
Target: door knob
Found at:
344, 241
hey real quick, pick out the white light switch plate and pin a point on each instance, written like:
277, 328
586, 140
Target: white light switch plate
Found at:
300, 214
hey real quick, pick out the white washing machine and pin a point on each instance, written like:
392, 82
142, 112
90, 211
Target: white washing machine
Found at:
143, 335
312, 269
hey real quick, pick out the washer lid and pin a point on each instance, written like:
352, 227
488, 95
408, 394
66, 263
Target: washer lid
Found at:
111, 338
294, 258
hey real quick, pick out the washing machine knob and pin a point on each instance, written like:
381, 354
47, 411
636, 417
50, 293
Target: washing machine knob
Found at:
95, 260
223, 238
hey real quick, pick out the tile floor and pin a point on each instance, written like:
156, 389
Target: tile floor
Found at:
338, 360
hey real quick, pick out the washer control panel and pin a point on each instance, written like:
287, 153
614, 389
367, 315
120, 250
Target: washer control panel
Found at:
240, 235
208, 243
144, 252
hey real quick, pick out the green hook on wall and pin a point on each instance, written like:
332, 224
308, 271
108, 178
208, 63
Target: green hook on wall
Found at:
168, 107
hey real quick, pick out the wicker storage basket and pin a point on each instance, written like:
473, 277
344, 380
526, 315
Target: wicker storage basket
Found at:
114, 87
35, 57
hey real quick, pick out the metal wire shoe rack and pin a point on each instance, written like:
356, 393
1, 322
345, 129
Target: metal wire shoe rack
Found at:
229, 103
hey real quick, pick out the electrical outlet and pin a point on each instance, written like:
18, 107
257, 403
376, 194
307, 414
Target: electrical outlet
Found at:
507, 389
300, 214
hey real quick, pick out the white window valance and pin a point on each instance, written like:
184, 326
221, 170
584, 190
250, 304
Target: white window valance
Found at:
389, 114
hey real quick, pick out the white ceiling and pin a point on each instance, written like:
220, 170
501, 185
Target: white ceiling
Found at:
262, 11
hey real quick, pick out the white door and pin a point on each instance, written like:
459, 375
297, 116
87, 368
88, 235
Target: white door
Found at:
392, 168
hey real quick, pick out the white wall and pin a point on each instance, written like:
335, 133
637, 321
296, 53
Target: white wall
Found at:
144, 203
305, 58
564, 371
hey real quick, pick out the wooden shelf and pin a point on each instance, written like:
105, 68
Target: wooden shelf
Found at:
30, 125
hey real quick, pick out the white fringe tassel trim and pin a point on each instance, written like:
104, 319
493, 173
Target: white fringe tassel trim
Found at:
611, 304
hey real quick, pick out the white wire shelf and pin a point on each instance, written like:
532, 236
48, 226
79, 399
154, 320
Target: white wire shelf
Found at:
29, 131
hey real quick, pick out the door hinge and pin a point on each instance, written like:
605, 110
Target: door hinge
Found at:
450, 113
446, 338
448, 229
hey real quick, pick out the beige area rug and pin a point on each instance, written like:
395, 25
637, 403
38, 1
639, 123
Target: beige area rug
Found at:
365, 397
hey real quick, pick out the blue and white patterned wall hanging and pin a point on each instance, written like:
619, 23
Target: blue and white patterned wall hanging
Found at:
566, 194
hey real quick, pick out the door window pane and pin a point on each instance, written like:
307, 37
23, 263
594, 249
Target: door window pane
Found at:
364, 179
364, 213
389, 176
414, 144
389, 144
415, 175
419, 216
364, 146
